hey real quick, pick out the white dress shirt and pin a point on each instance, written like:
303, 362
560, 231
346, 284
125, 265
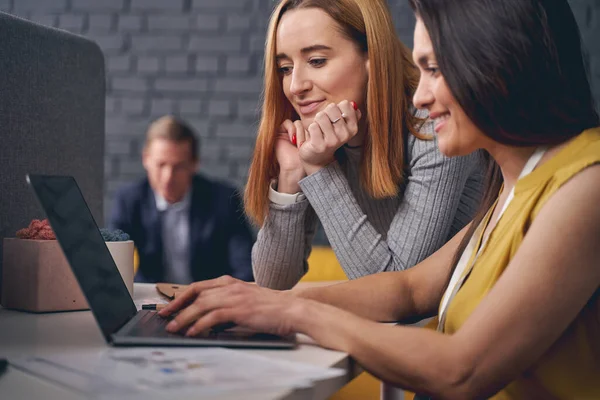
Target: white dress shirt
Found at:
283, 198
175, 226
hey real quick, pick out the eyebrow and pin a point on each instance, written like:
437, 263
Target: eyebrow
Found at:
304, 51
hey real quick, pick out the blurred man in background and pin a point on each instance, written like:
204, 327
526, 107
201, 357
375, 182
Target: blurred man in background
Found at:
185, 227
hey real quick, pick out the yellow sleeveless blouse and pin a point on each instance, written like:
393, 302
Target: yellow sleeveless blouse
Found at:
570, 368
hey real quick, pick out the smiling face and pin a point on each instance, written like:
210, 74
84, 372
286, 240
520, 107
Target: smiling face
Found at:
457, 135
318, 64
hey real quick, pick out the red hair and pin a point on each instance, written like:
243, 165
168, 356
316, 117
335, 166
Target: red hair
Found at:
392, 81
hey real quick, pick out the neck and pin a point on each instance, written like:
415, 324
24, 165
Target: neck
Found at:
511, 161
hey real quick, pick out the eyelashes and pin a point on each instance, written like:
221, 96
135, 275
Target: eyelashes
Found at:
317, 62
313, 62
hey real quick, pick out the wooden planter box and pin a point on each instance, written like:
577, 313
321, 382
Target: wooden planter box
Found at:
36, 276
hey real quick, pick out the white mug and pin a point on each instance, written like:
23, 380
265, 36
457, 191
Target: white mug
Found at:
122, 254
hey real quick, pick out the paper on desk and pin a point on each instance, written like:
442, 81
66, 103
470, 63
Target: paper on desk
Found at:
143, 373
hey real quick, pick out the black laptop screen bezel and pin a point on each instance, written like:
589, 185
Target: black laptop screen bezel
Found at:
85, 250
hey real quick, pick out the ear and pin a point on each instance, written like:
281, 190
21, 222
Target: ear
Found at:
145, 158
367, 65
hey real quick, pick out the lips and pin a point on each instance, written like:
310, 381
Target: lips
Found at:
439, 125
439, 121
309, 108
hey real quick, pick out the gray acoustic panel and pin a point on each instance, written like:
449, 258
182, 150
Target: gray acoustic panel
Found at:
52, 97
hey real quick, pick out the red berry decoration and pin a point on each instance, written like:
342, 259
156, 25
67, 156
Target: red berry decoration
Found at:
37, 230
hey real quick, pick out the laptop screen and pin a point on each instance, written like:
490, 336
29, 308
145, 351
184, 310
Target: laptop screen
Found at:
85, 250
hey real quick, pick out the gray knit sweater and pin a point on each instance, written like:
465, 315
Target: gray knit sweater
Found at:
438, 197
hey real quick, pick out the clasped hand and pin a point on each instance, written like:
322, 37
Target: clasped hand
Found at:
228, 300
313, 148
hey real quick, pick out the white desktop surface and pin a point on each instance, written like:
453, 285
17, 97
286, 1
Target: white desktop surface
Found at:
23, 333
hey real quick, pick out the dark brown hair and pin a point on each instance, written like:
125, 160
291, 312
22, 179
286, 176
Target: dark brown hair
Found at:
517, 69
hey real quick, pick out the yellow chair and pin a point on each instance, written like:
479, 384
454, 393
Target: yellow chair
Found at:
325, 267
136, 260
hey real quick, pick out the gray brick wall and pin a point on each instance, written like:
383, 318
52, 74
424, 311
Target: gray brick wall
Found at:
200, 59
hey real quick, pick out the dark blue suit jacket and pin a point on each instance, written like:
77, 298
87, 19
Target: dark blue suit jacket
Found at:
220, 242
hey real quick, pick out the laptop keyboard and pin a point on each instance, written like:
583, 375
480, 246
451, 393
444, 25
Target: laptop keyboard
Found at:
152, 325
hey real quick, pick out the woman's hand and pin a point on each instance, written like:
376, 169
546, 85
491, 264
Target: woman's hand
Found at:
225, 300
331, 129
291, 170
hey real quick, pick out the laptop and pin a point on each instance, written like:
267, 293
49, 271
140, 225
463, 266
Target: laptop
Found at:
101, 283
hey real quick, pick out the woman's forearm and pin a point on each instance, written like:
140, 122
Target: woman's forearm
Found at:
420, 222
412, 358
393, 296
283, 244
288, 181
380, 297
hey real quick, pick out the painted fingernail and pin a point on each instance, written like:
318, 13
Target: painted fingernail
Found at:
354, 105
294, 139
173, 326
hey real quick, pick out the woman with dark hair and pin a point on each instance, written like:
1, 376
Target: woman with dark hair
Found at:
517, 292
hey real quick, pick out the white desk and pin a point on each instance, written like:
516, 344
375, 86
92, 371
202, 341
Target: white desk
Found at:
72, 332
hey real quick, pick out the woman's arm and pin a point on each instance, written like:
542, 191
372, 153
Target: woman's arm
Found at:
393, 296
279, 256
387, 296
516, 323
422, 221
510, 329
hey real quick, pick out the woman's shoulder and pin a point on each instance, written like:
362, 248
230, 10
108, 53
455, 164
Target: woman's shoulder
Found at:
582, 152
568, 159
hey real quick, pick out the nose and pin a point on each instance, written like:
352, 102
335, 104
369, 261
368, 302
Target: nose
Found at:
167, 174
423, 97
300, 82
